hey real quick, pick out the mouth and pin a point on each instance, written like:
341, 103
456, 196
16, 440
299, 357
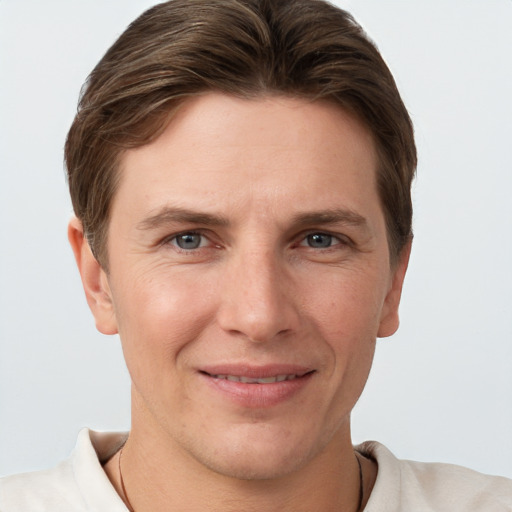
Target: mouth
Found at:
258, 380
257, 387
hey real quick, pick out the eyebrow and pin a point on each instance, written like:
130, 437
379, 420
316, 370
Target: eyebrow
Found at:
331, 216
168, 215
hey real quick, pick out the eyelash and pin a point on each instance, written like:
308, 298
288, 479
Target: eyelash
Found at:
173, 240
335, 241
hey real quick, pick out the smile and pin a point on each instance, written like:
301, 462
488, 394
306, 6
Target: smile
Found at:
257, 386
251, 380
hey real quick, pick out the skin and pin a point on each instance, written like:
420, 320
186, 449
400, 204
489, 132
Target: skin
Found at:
292, 268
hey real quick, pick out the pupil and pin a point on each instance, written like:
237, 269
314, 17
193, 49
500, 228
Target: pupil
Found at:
188, 241
320, 240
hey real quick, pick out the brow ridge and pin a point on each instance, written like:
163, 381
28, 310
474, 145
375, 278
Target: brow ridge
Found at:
331, 216
168, 215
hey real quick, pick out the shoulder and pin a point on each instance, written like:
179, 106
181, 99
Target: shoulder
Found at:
75, 485
404, 485
54, 489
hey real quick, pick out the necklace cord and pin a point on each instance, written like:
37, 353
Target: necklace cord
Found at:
361, 486
125, 495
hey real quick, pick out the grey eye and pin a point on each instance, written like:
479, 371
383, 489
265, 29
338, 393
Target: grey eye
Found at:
319, 240
188, 241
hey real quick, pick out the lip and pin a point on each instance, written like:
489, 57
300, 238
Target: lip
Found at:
254, 394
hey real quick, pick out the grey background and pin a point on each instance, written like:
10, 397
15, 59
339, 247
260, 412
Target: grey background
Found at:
441, 388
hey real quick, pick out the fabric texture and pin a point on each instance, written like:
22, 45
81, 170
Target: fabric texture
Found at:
79, 484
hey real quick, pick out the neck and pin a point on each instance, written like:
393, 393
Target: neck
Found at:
159, 475
158, 482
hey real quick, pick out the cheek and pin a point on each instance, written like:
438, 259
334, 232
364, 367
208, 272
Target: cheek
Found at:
159, 314
347, 308
346, 316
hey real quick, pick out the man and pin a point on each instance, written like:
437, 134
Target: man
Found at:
240, 173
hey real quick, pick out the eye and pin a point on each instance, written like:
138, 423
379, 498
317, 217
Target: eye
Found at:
320, 240
189, 241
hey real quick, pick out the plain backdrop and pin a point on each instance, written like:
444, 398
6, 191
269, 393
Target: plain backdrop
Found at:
440, 389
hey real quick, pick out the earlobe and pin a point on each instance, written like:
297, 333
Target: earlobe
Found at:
94, 280
390, 321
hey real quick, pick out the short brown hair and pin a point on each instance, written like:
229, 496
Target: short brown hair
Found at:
246, 48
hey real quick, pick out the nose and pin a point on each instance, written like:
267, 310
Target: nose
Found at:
257, 300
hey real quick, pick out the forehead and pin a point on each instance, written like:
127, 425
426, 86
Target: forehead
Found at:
221, 150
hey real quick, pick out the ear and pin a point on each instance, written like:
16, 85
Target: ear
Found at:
94, 280
389, 320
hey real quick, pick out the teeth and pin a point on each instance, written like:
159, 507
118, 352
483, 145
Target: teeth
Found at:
249, 380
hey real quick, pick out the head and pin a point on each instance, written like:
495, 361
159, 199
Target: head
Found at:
241, 172
248, 49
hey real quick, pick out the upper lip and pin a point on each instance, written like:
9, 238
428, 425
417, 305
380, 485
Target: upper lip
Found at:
254, 371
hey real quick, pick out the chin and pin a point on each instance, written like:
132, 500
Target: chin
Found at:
256, 466
258, 454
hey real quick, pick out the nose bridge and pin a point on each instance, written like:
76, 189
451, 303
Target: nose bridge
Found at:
256, 298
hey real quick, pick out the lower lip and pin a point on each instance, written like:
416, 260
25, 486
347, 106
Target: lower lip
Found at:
258, 395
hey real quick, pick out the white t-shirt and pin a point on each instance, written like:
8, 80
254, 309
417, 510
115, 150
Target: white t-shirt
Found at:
79, 484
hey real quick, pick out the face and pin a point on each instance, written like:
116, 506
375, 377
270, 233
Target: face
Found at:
249, 277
